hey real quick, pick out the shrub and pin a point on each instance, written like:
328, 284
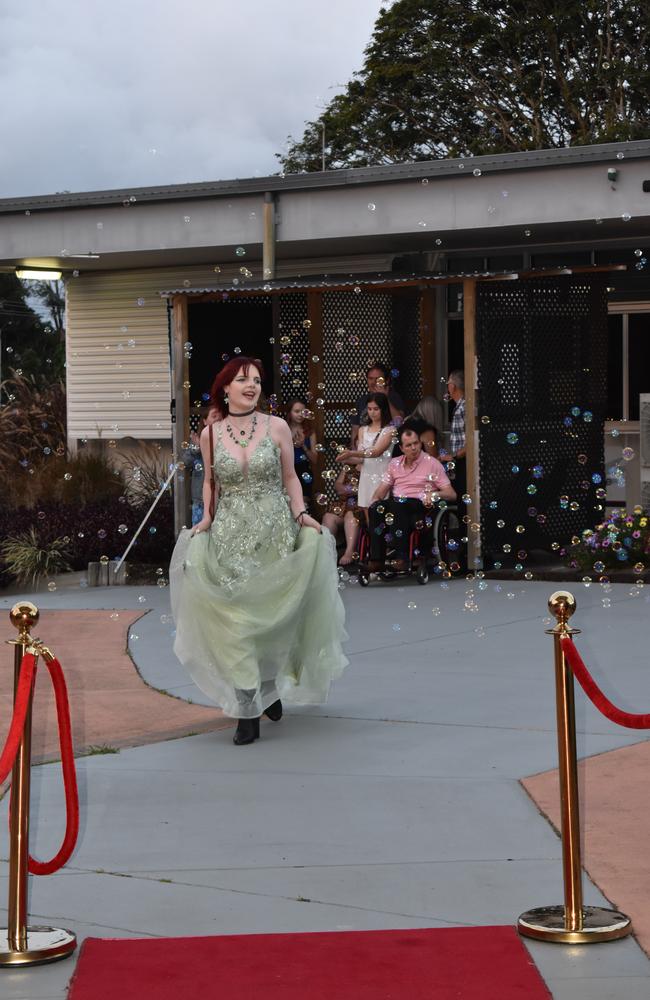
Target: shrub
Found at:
28, 559
95, 530
620, 542
81, 479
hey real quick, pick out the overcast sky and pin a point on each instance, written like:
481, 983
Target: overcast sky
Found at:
118, 93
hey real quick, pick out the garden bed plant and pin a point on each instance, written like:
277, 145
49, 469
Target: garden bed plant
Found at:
83, 534
621, 542
61, 511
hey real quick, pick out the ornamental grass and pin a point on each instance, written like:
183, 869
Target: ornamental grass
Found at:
27, 559
32, 420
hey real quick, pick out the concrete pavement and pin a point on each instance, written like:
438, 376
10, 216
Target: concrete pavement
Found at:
396, 805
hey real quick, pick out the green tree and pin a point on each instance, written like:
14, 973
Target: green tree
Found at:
51, 295
463, 78
27, 343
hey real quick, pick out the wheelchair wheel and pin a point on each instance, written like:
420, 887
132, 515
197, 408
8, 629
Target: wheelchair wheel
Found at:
363, 576
446, 530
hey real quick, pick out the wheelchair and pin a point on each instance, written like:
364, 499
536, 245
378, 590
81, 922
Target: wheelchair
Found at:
441, 540
447, 533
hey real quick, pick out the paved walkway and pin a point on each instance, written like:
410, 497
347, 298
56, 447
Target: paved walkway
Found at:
112, 707
396, 805
615, 825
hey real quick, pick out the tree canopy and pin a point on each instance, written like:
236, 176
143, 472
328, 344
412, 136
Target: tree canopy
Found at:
29, 343
444, 78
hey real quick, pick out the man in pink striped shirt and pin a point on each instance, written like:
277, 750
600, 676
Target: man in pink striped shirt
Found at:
415, 481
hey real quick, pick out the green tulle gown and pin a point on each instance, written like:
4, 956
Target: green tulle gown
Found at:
255, 599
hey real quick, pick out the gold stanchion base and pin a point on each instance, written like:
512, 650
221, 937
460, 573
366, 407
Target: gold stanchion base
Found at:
546, 923
44, 944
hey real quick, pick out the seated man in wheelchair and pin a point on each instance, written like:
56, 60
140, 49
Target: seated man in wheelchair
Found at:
414, 481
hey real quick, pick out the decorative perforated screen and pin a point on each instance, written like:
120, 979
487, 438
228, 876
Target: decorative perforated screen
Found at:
292, 347
356, 333
542, 355
407, 359
358, 329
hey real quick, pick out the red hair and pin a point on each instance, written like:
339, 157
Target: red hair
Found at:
225, 377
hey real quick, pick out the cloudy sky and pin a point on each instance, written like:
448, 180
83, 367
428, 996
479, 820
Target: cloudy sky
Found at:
118, 93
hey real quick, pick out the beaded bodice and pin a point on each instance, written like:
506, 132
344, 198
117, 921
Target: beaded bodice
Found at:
262, 472
253, 523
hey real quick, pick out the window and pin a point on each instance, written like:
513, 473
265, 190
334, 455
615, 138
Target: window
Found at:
614, 368
628, 364
638, 360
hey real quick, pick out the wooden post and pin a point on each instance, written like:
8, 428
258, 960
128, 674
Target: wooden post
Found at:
268, 242
181, 427
316, 371
428, 342
471, 435
276, 382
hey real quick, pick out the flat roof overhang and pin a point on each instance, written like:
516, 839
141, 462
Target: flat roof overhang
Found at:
547, 239
542, 200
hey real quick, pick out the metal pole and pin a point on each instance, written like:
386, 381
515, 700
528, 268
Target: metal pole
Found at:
471, 435
20, 944
147, 516
180, 393
19, 808
572, 923
568, 772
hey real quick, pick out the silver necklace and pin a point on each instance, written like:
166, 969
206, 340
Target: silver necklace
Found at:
243, 441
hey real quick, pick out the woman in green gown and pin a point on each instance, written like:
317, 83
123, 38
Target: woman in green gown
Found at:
254, 589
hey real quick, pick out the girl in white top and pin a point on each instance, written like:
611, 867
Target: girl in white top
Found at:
374, 447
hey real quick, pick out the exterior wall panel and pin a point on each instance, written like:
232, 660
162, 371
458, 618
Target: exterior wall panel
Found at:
118, 371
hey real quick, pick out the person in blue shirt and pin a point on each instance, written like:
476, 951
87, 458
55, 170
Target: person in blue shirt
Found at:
193, 461
299, 418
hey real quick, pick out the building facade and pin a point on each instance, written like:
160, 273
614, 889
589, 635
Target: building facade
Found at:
319, 274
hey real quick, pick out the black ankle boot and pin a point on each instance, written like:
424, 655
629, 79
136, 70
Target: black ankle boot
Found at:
248, 730
274, 711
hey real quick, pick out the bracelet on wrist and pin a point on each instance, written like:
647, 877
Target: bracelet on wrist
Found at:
298, 516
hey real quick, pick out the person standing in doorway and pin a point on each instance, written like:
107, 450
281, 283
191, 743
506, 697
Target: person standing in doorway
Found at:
193, 461
377, 380
374, 449
458, 474
299, 418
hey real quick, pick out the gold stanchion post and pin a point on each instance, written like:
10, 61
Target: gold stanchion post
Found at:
572, 923
20, 944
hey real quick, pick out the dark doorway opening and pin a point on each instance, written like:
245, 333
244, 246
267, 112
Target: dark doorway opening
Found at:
219, 331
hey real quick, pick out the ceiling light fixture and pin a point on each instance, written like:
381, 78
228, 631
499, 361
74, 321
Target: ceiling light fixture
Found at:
37, 274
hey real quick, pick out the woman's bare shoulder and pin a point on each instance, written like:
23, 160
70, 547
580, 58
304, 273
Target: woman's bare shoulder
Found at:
205, 433
277, 425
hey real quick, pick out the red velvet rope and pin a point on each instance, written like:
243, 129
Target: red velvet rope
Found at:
69, 776
21, 704
26, 679
591, 689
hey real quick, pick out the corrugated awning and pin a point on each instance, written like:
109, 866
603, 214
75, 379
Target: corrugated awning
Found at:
319, 281
387, 280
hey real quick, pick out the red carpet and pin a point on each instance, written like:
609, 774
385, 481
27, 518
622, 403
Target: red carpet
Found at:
465, 963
